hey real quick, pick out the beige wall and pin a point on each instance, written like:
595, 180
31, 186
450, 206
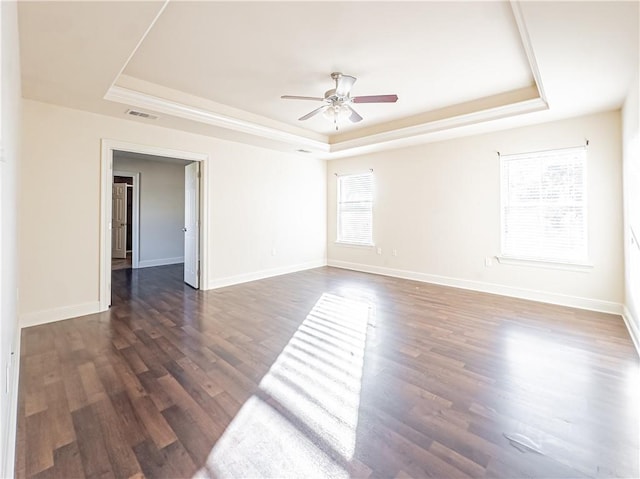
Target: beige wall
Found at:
438, 205
258, 200
9, 154
161, 209
631, 169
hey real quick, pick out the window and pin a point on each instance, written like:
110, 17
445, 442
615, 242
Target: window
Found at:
544, 205
355, 209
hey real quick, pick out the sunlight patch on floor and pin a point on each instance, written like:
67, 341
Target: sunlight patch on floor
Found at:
303, 421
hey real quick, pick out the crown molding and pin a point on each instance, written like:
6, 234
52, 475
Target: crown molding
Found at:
140, 41
323, 148
528, 47
389, 139
161, 105
422, 131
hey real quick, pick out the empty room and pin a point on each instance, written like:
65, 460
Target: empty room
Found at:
358, 239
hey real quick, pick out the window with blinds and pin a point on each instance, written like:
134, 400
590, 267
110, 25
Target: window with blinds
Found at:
544, 205
355, 209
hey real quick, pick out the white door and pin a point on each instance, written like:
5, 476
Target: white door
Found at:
119, 221
191, 224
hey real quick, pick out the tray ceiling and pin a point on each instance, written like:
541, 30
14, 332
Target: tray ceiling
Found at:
219, 68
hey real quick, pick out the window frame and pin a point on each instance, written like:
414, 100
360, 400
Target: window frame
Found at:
579, 264
339, 203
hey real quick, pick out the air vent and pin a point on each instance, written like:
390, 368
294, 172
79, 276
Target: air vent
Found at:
303, 151
141, 114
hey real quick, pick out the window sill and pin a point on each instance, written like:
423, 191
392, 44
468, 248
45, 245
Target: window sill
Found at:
538, 263
354, 245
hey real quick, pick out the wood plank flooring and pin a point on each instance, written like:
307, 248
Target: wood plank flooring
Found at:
121, 263
326, 373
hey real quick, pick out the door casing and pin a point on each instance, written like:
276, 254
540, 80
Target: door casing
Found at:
108, 146
135, 220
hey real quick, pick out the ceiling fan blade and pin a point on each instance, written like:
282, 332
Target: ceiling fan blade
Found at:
355, 117
344, 84
375, 99
295, 97
312, 113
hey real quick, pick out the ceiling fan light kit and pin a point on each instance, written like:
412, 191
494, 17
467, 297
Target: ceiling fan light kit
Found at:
337, 112
338, 101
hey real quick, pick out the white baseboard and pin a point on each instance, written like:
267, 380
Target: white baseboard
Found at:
149, 263
493, 288
58, 314
9, 443
633, 325
262, 274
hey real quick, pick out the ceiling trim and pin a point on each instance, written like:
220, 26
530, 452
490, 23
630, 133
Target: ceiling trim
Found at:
378, 141
144, 35
180, 110
417, 131
324, 147
528, 47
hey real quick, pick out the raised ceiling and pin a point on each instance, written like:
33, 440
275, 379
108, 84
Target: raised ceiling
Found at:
249, 54
219, 68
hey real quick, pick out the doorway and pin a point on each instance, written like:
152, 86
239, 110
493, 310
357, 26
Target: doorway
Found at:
194, 222
124, 222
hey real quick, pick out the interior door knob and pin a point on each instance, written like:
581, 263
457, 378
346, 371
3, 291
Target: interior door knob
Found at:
184, 229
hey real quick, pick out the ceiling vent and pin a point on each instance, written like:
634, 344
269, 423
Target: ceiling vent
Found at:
141, 114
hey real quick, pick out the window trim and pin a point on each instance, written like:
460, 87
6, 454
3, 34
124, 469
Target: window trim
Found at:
353, 244
544, 263
583, 264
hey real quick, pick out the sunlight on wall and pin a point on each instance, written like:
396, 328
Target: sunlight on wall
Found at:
303, 420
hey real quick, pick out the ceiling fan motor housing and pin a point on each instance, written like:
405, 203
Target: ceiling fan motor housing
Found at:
330, 94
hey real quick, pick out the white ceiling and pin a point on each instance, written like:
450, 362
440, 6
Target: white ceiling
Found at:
219, 68
247, 55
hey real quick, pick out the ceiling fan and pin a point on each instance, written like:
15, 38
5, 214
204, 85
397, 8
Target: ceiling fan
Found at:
338, 100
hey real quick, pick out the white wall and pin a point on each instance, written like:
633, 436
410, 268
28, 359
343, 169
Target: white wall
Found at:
631, 175
9, 153
161, 209
258, 200
438, 205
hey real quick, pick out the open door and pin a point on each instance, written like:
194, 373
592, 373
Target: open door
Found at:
119, 221
192, 224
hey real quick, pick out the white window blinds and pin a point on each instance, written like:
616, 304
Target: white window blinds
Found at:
355, 209
544, 205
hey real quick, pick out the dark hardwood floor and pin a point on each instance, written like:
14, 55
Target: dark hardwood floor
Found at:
121, 263
326, 373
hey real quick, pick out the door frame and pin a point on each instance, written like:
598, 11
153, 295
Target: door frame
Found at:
135, 215
108, 146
